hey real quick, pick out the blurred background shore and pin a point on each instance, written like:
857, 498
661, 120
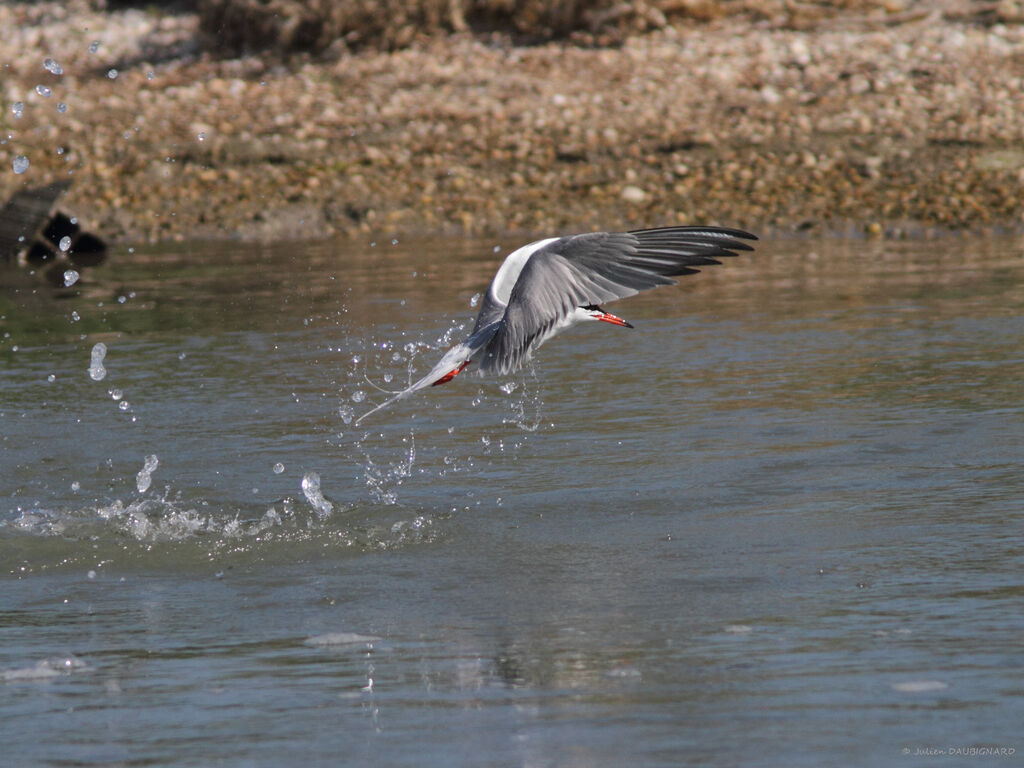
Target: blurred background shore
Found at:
283, 119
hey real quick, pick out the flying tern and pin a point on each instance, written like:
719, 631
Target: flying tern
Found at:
552, 284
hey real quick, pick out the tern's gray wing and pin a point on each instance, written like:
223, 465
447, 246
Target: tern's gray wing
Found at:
593, 269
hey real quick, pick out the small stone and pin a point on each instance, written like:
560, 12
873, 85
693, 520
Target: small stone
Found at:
633, 194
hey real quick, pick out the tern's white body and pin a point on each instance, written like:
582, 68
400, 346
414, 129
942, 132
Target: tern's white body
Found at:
552, 284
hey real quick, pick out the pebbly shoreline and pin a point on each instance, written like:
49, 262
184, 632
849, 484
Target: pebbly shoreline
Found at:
853, 126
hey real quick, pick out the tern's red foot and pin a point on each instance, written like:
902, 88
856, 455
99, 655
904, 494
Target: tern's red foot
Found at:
451, 374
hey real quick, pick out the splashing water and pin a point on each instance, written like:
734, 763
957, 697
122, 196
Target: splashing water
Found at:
20, 164
96, 370
315, 497
144, 478
44, 670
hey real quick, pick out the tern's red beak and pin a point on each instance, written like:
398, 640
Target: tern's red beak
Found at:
608, 317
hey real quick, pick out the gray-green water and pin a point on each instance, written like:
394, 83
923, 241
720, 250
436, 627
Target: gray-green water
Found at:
780, 523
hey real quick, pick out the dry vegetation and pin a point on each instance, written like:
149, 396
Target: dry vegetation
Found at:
317, 26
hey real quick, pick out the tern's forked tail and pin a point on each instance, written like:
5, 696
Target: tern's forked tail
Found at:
453, 362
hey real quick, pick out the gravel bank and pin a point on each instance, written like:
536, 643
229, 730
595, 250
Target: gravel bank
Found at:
909, 125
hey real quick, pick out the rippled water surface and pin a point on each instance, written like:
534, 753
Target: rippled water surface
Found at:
779, 523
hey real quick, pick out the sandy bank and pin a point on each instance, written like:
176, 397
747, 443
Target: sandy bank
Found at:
850, 124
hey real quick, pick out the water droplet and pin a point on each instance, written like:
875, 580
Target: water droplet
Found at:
91, 575
94, 46
201, 136
76, 486
508, 387
62, 107
144, 477
52, 67
20, 164
18, 108
358, 396
116, 394
475, 300
388, 377
75, 317
124, 405
150, 75
70, 275
112, 74
43, 91
65, 243
394, 241
96, 370
346, 413
278, 468
315, 497
51, 378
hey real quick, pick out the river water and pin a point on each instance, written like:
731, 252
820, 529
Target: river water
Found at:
779, 523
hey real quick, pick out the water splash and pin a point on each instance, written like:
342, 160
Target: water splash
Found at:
382, 480
332, 639
145, 475
96, 370
315, 497
44, 670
